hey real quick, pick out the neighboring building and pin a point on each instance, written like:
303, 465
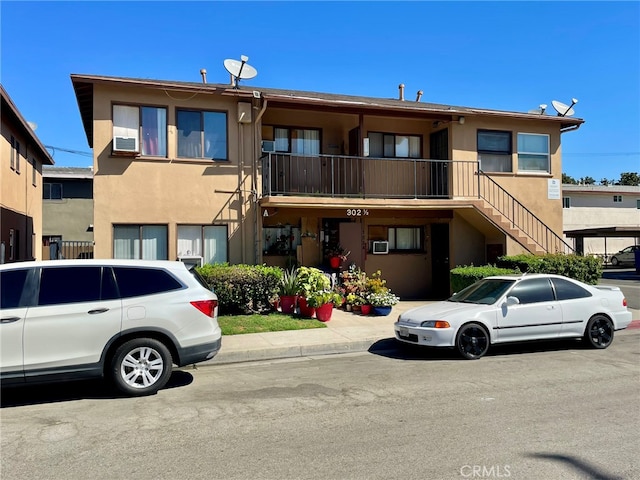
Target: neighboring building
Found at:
260, 175
22, 156
601, 220
67, 210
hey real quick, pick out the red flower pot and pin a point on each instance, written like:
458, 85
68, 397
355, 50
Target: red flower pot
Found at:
365, 309
305, 310
335, 262
288, 303
323, 312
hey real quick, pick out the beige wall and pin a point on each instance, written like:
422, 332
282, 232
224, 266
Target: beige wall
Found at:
172, 190
17, 191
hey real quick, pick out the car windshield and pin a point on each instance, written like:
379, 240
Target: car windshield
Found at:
485, 292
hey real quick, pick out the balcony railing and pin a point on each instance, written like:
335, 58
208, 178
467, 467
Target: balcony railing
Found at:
365, 177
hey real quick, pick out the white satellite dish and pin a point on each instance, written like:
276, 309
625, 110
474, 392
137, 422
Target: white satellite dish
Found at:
540, 110
32, 125
564, 110
239, 70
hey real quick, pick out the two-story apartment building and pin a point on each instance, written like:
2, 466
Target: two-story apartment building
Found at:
262, 175
22, 156
67, 211
601, 220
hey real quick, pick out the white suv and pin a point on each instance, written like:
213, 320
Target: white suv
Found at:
127, 320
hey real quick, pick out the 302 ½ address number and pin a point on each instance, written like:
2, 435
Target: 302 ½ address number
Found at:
357, 212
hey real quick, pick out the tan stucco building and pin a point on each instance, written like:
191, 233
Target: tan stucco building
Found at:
259, 175
21, 158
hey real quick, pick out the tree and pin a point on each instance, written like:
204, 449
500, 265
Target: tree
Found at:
629, 178
566, 179
587, 181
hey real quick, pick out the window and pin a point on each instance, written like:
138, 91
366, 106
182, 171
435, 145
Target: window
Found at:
140, 129
566, 202
206, 241
69, 285
566, 290
638, 204
533, 153
494, 151
297, 140
533, 291
202, 134
14, 244
34, 172
617, 199
13, 153
146, 242
282, 240
52, 191
389, 145
11, 285
17, 162
135, 282
401, 239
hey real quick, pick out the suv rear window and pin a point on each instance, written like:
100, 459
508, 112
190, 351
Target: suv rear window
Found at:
198, 277
11, 286
134, 282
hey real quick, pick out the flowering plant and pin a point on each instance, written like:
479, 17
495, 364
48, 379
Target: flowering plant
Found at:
382, 299
319, 298
354, 299
338, 251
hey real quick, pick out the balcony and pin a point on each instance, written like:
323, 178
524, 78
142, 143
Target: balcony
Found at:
368, 178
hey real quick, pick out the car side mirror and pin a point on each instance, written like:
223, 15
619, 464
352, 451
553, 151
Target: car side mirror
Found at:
512, 301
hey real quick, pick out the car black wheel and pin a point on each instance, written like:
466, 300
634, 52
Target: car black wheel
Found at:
614, 261
472, 341
599, 332
141, 366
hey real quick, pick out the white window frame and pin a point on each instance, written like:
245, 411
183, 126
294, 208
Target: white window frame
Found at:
532, 156
128, 121
617, 199
135, 242
207, 241
204, 136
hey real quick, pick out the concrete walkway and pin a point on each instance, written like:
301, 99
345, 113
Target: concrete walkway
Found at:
346, 332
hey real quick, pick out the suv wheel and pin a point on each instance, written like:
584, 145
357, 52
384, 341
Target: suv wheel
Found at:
141, 366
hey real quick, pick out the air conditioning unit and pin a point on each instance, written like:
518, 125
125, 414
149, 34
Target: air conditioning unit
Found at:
192, 260
268, 146
380, 248
125, 144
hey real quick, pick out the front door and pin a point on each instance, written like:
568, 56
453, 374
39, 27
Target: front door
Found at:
351, 241
440, 260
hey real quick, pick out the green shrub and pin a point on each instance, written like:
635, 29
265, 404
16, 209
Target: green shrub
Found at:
242, 288
585, 269
462, 277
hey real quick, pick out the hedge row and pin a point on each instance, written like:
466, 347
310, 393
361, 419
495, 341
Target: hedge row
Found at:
585, 269
242, 289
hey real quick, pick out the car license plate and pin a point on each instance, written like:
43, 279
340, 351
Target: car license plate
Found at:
403, 331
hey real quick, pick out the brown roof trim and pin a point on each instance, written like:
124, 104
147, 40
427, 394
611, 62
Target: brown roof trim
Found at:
26, 130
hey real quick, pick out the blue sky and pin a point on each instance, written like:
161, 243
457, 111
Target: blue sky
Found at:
496, 55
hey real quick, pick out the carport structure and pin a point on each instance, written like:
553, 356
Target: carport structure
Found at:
579, 235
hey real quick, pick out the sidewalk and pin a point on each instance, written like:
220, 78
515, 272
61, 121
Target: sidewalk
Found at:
346, 332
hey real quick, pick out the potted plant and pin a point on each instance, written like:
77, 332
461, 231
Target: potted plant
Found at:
288, 290
324, 301
354, 301
382, 302
310, 281
337, 255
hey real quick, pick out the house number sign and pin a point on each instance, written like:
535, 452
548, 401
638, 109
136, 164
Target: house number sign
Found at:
357, 212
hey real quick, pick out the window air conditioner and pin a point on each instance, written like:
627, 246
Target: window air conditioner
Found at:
190, 260
380, 248
125, 144
268, 146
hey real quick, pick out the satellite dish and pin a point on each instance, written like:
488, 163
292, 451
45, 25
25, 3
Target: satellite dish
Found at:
32, 125
239, 70
564, 110
540, 110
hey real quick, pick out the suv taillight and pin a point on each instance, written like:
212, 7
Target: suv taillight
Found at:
208, 307
624, 302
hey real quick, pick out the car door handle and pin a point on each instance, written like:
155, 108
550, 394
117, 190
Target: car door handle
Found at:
98, 310
9, 319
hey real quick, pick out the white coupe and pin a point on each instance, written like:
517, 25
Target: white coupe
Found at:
504, 309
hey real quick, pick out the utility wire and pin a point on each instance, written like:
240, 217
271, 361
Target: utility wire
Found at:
75, 152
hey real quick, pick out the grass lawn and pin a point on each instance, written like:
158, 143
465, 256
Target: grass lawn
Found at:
273, 322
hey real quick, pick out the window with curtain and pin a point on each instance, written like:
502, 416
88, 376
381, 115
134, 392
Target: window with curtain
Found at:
202, 134
146, 242
494, 151
297, 140
144, 127
533, 153
389, 145
405, 238
206, 241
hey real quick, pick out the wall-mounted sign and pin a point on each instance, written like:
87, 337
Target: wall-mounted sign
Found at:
553, 189
357, 212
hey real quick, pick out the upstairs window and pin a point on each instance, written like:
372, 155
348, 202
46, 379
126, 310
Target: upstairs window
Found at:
13, 153
140, 130
52, 191
298, 141
389, 145
202, 134
494, 151
34, 172
533, 153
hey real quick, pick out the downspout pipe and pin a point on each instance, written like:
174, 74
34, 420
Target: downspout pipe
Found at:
254, 174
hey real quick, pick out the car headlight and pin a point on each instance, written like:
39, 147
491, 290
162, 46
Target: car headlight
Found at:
435, 324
